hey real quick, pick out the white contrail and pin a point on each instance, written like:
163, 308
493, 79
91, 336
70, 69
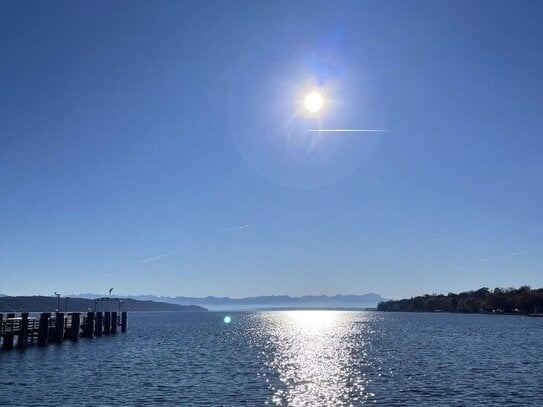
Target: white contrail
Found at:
348, 130
160, 256
239, 227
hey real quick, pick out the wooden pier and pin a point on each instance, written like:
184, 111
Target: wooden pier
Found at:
23, 330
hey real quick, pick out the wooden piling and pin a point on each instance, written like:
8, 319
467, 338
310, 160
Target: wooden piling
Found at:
107, 322
58, 333
23, 331
43, 330
32, 332
76, 325
8, 332
114, 322
124, 320
88, 326
98, 324
48, 329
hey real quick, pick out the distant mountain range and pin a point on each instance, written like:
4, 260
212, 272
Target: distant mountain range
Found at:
47, 304
266, 302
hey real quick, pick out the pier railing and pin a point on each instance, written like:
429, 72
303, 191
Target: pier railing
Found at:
24, 330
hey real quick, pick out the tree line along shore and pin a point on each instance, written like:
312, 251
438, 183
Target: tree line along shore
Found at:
523, 301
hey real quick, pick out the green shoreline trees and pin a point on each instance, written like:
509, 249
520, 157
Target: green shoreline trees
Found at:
523, 300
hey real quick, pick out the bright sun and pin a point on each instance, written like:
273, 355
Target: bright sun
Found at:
313, 102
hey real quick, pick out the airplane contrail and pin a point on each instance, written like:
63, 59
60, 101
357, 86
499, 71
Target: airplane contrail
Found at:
348, 130
160, 256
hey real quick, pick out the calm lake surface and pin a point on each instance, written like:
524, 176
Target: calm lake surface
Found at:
288, 358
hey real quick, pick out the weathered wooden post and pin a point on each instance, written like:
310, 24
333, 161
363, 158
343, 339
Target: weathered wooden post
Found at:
1, 326
58, 333
98, 324
76, 321
43, 330
107, 322
23, 331
32, 329
124, 320
114, 322
68, 326
8, 332
88, 327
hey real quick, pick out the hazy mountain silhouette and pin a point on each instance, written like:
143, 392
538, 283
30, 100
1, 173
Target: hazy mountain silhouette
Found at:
369, 300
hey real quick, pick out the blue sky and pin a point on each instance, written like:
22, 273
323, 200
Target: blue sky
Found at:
156, 147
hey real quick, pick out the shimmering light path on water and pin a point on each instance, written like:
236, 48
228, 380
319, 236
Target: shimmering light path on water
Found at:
318, 356
288, 358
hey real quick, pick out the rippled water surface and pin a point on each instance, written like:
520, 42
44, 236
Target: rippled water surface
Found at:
288, 358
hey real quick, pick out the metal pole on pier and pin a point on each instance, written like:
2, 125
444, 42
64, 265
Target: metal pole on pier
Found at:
58, 302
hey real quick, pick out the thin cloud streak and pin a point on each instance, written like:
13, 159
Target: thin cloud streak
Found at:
240, 227
348, 130
160, 256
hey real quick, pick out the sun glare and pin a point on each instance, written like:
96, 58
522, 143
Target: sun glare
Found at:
313, 102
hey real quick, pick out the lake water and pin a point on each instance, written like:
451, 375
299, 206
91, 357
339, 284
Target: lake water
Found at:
288, 358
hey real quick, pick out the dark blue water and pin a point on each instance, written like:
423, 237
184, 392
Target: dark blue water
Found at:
291, 358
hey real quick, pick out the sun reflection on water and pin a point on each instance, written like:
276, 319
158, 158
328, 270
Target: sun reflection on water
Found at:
313, 353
